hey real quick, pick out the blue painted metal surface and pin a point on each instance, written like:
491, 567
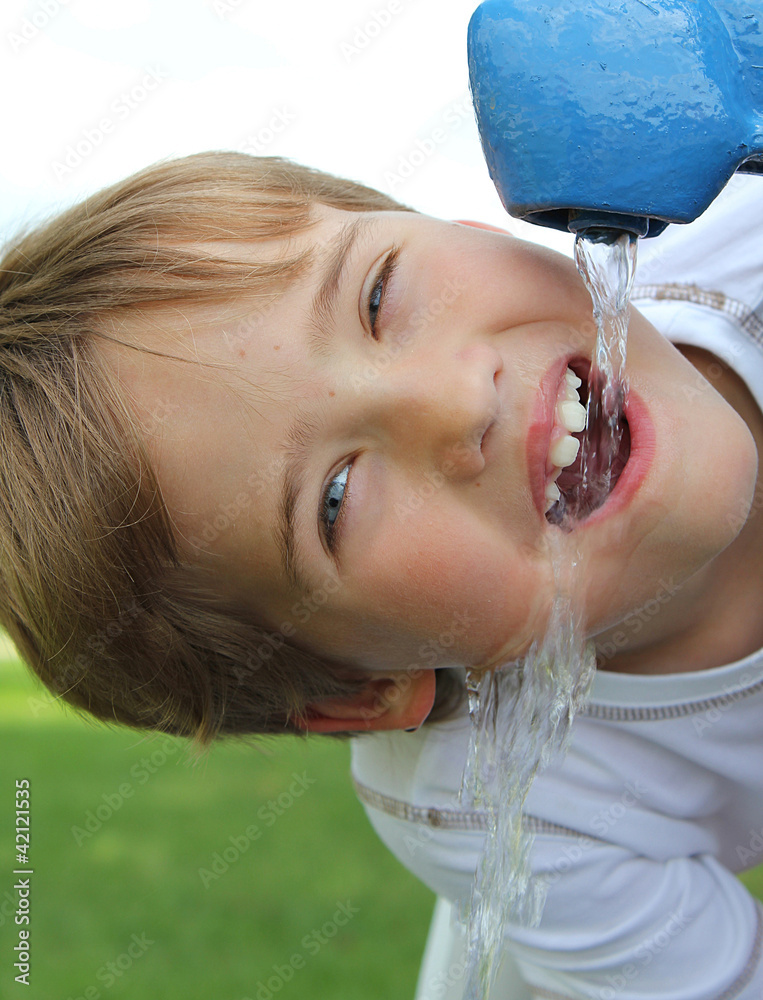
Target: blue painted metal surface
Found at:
641, 109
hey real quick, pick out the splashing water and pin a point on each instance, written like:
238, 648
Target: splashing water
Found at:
521, 713
606, 260
521, 716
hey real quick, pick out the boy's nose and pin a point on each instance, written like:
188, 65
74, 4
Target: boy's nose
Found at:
438, 408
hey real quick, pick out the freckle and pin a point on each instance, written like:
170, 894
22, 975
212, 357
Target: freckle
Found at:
276, 347
241, 352
478, 484
331, 392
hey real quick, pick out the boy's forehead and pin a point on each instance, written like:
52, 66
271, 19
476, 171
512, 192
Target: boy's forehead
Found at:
227, 364
293, 263
181, 328
177, 357
313, 261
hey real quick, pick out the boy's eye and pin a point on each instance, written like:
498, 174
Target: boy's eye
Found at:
379, 291
331, 507
374, 303
330, 514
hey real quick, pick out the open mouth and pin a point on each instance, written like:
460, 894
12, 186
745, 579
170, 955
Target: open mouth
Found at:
605, 445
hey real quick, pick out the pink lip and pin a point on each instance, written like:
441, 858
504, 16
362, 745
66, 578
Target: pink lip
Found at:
539, 433
642, 446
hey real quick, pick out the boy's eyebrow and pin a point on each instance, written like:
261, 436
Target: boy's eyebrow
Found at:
320, 321
301, 433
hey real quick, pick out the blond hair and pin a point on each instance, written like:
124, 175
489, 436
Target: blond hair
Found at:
93, 590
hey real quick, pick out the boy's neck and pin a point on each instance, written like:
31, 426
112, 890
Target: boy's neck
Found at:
715, 617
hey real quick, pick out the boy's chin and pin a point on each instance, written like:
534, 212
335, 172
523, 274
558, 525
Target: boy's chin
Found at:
719, 464
713, 485
719, 510
689, 531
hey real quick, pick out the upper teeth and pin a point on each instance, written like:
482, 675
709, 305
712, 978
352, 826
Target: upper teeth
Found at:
571, 415
564, 451
570, 411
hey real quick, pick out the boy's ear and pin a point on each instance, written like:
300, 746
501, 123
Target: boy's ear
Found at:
394, 701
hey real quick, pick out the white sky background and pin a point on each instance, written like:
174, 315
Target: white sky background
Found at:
94, 90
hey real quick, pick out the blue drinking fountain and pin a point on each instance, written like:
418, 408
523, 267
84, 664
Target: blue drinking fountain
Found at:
616, 114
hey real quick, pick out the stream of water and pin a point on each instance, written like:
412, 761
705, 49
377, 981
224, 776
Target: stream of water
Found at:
607, 266
521, 713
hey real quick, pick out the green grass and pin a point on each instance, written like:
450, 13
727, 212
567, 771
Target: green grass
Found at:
121, 841
131, 849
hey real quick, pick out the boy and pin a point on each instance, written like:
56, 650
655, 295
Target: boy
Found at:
658, 801
278, 456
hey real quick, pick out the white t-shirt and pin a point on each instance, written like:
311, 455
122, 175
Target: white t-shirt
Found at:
659, 800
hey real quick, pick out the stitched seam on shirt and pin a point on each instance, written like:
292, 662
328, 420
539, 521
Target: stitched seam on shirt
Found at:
453, 819
752, 962
620, 713
745, 317
472, 819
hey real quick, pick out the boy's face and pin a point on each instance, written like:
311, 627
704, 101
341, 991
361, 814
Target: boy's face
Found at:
406, 465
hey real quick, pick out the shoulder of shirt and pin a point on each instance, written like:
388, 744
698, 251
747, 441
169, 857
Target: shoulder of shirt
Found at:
721, 251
